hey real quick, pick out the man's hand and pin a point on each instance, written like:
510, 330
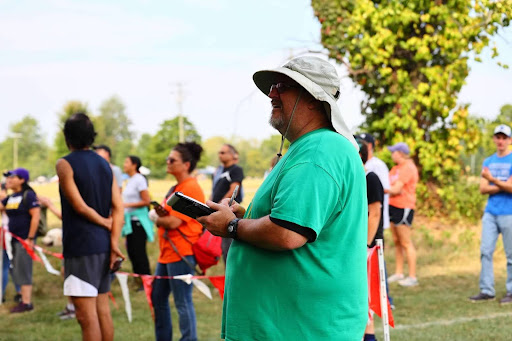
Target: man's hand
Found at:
486, 174
108, 223
238, 210
114, 254
217, 222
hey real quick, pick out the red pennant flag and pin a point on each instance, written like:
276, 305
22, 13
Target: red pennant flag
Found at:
27, 248
374, 286
147, 282
218, 282
112, 299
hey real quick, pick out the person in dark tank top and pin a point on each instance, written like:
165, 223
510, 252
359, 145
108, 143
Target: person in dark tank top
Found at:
92, 218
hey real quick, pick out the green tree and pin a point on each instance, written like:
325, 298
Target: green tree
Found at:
473, 161
211, 148
113, 128
32, 149
164, 140
70, 108
411, 59
142, 149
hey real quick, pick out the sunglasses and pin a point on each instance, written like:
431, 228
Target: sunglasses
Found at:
282, 87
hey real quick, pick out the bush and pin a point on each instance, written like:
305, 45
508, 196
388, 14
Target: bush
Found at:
460, 199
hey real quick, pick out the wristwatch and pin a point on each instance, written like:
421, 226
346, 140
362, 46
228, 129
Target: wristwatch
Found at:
233, 228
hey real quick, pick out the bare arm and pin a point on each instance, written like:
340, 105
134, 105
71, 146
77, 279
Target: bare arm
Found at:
395, 189
169, 222
374, 211
35, 213
49, 204
499, 185
72, 194
261, 232
117, 223
144, 195
487, 188
232, 187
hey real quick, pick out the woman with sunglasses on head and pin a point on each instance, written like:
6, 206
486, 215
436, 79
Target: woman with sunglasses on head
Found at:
22, 208
177, 233
137, 226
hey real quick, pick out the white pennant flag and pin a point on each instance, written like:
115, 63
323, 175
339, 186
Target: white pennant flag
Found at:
185, 278
197, 283
202, 288
7, 241
46, 262
123, 282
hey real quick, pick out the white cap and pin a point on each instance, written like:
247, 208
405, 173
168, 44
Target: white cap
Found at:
503, 129
316, 76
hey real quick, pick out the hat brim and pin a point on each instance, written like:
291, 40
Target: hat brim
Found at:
265, 78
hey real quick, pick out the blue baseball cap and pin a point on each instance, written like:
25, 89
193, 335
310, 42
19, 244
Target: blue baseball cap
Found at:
21, 173
399, 147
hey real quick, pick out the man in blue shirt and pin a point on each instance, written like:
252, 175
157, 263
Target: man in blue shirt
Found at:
497, 182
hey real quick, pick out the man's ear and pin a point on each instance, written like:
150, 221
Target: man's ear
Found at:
314, 104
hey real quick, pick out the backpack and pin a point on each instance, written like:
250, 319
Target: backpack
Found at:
207, 250
42, 226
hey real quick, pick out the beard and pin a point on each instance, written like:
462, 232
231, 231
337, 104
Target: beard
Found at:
277, 122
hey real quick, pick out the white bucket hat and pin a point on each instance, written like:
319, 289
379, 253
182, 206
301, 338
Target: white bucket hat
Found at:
316, 76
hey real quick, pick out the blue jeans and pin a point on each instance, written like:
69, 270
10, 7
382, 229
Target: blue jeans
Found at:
5, 274
5, 271
182, 293
492, 226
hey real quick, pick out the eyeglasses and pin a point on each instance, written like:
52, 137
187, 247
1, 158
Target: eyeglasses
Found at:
282, 87
171, 160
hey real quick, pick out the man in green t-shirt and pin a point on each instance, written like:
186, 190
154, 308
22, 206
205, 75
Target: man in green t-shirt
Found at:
297, 265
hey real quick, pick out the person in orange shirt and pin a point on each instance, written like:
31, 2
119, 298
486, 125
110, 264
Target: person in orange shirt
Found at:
177, 233
403, 179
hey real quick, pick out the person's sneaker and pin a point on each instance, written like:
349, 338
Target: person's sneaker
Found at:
408, 282
67, 314
22, 307
17, 298
481, 297
395, 278
507, 299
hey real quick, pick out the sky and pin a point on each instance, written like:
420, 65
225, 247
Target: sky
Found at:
54, 51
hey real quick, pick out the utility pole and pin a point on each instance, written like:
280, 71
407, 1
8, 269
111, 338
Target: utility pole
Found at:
179, 102
15, 137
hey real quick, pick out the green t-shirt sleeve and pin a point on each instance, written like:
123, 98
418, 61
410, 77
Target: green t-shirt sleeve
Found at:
307, 196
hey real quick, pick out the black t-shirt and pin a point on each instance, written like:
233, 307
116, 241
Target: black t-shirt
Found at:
375, 193
226, 178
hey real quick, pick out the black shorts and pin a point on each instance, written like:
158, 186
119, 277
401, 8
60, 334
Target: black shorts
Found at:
87, 276
401, 216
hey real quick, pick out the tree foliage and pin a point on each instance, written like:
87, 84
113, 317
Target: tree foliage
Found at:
114, 128
70, 108
164, 140
32, 148
473, 161
411, 59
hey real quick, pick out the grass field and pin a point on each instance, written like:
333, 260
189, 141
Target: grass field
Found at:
437, 309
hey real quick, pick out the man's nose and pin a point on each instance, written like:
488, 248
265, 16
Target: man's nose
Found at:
273, 92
